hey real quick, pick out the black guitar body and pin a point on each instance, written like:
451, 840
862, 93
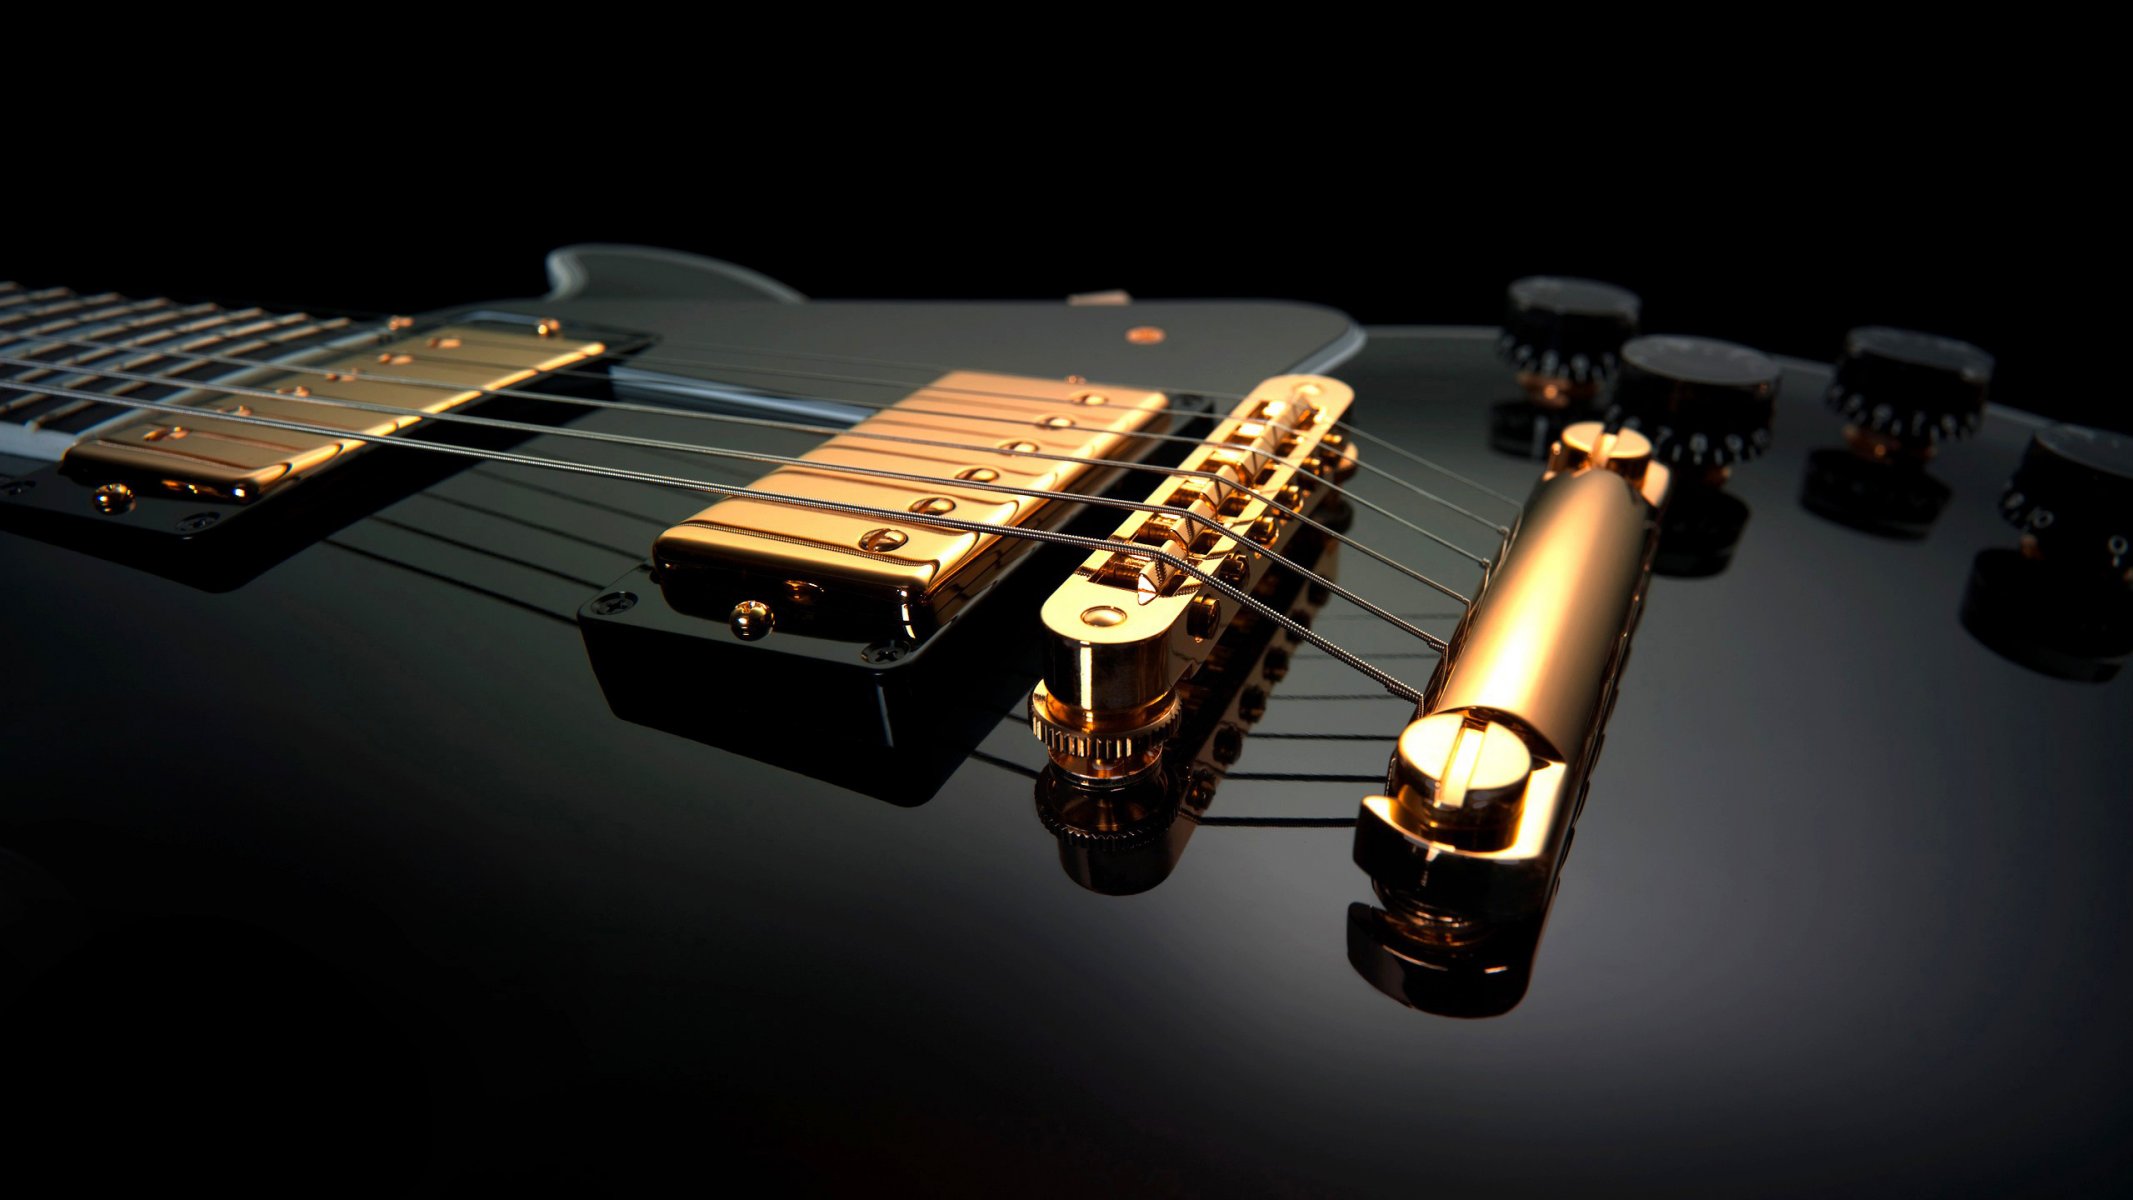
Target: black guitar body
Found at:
392, 855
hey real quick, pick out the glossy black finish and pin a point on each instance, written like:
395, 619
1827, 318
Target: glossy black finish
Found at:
2073, 493
1917, 388
1566, 328
1703, 402
358, 856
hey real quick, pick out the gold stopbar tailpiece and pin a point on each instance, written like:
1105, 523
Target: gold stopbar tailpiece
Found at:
1488, 778
232, 460
1127, 628
764, 565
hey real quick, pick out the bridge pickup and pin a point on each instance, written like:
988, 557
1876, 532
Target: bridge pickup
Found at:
810, 570
208, 455
1128, 627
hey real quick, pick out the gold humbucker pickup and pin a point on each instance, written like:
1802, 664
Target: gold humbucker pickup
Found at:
812, 568
422, 374
1128, 627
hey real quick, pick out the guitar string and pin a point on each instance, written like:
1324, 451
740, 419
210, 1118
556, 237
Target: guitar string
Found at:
1429, 464
458, 418
76, 367
1389, 682
1340, 426
859, 360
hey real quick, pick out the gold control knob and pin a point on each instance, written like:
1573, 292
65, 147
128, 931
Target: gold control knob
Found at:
1588, 445
1463, 780
1102, 747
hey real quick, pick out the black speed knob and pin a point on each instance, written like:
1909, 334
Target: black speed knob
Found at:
1702, 402
1565, 328
1917, 388
2074, 494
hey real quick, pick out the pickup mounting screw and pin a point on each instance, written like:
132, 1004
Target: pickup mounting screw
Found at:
751, 620
198, 522
881, 541
1103, 616
612, 603
113, 499
887, 652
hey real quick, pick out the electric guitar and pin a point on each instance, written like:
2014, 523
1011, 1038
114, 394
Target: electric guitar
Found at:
672, 724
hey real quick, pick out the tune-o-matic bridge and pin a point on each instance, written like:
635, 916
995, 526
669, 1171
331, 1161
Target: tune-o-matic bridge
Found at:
1128, 626
1464, 847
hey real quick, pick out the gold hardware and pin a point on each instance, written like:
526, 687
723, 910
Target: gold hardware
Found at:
1145, 335
1113, 746
751, 620
548, 327
1462, 779
113, 499
1485, 784
898, 582
1103, 679
233, 461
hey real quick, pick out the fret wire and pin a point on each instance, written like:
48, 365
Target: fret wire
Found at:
1391, 683
1485, 562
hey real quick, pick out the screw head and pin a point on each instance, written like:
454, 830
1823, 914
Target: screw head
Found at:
887, 652
612, 603
112, 499
198, 521
1103, 616
751, 620
19, 486
881, 541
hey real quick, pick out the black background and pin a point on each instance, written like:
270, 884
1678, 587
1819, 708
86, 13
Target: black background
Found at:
1780, 234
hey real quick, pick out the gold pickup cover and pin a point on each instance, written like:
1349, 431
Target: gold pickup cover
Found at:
800, 566
238, 461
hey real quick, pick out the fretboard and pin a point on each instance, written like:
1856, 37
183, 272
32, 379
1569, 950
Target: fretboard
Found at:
72, 338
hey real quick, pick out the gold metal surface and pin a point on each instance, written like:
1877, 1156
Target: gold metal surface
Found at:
201, 456
1102, 677
113, 499
1485, 784
752, 620
908, 576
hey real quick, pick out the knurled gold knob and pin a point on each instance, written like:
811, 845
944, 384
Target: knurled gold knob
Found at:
1102, 746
